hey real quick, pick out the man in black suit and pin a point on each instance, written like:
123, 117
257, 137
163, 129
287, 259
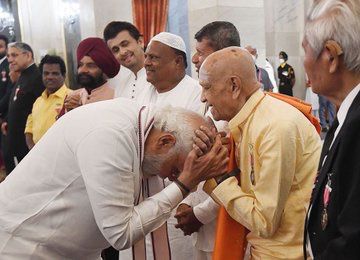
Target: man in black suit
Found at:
5, 84
332, 62
4, 76
27, 89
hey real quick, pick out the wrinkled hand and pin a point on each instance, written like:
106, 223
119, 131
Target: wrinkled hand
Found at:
72, 101
210, 165
203, 140
4, 128
187, 221
205, 137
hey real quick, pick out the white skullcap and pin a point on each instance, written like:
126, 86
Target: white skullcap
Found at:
171, 40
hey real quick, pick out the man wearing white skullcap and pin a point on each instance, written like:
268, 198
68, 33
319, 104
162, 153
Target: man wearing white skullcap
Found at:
165, 64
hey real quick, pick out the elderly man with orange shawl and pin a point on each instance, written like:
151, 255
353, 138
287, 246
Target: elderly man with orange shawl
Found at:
275, 153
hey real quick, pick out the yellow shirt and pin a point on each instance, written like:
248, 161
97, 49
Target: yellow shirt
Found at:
44, 112
278, 152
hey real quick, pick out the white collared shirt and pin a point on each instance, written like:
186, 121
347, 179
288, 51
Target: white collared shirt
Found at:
344, 109
186, 94
129, 85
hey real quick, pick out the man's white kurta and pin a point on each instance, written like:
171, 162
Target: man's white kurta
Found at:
186, 94
74, 194
128, 85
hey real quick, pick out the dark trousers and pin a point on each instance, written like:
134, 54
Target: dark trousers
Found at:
110, 254
14, 149
7, 154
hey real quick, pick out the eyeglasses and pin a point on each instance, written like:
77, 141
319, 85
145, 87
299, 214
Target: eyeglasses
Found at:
14, 55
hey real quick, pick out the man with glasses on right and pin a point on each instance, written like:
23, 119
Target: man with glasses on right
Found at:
332, 62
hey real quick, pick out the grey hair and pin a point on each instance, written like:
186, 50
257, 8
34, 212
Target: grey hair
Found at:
337, 20
22, 46
179, 122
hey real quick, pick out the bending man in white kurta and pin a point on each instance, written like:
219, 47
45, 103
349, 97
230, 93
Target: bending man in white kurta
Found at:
76, 192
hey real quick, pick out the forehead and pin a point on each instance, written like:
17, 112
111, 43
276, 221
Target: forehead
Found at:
14, 49
2, 42
51, 67
121, 36
204, 75
204, 43
86, 60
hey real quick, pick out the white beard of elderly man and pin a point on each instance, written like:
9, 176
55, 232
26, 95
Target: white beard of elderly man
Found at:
79, 189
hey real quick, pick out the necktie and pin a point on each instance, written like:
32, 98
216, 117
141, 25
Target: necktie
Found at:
328, 141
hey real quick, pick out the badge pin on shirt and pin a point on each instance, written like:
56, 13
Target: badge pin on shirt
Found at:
3, 76
16, 92
326, 200
252, 172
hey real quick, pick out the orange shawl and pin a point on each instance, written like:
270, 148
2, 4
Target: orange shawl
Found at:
230, 239
302, 106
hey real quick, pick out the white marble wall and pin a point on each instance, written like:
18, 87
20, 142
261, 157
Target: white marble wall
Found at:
270, 26
41, 21
247, 16
41, 26
111, 10
284, 27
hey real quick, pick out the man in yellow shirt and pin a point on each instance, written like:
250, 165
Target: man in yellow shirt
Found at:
277, 153
47, 106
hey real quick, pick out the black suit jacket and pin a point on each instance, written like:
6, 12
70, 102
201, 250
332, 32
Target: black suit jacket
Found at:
5, 88
26, 90
341, 237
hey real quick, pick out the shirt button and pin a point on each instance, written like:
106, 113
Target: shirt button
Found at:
132, 97
134, 85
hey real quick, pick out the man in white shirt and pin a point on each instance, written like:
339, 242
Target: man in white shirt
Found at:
165, 64
127, 45
79, 188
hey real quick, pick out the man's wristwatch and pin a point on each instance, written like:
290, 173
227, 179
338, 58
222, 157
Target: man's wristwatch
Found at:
222, 178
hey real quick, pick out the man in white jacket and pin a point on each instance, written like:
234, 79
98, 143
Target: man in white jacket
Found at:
79, 189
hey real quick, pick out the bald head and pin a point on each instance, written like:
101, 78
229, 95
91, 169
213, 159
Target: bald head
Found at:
230, 75
231, 61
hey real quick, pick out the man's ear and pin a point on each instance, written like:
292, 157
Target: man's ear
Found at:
235, 86
29, 56
165, 141
333, 52
141, 41
179, 60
